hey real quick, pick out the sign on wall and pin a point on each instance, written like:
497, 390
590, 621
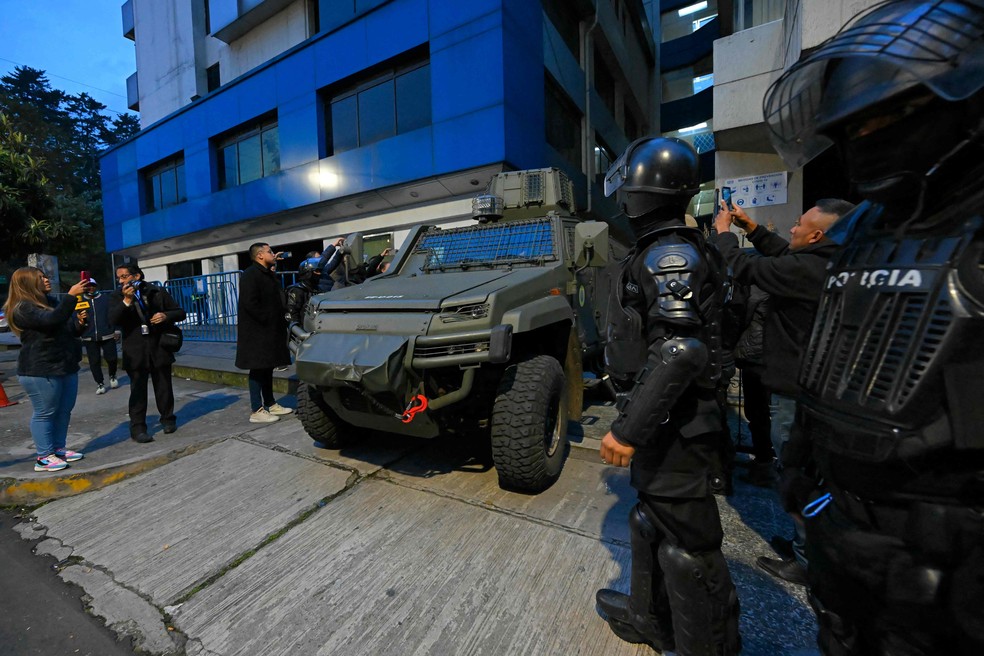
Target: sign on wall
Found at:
758, 190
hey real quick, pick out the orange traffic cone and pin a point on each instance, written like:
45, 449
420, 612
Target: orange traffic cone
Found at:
4, 401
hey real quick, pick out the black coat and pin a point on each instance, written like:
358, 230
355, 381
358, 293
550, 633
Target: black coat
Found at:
793, 280
261, 342
144, 351
49, 338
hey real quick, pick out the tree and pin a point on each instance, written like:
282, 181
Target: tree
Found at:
50, 195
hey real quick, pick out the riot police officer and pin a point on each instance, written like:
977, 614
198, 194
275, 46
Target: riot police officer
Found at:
298, 294
668, 304
892, 404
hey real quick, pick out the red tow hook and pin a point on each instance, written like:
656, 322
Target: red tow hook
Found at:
417, 404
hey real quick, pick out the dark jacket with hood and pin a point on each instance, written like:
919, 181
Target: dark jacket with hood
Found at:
793, 279
49, 337
98, 328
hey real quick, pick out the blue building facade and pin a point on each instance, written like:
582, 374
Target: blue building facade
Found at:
396, 104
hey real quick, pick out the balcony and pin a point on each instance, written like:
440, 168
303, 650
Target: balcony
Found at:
127, 11
231, 19
132, 93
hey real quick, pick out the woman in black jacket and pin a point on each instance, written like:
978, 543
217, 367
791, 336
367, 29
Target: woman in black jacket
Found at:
48, 362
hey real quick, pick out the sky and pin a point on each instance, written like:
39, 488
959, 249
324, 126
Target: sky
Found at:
78, 43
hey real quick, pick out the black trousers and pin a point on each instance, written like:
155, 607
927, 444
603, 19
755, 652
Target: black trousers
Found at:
96, 352
163, 394
757, 413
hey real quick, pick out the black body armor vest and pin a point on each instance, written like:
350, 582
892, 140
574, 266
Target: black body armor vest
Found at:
893, 378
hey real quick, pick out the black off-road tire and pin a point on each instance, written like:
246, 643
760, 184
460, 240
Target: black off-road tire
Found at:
319, 420
529, 424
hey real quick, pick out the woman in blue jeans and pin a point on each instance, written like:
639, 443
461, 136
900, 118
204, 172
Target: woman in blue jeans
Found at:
48, 362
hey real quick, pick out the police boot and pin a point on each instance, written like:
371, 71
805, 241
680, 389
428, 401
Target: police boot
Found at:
632, 617
705, 602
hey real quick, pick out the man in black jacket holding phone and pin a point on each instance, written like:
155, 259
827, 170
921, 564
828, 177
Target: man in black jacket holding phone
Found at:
142, 311
792, 273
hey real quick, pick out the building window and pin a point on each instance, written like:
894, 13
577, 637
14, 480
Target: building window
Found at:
563, 119
604, 82
391, 100
603, 158
681, 22
212, 77
249, 154
164, 184
565, 20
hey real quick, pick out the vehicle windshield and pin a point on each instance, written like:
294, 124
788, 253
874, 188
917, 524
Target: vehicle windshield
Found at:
498, 244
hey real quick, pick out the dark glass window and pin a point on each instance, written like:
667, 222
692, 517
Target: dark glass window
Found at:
604, 82
212, 77
345, 124
413, 99
603, 158
377, 113
164, 184
563, 121
249, 154
565, 19
392, 99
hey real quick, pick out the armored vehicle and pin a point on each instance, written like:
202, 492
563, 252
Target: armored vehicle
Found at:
487, 327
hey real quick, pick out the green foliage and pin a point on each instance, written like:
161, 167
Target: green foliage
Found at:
50, 197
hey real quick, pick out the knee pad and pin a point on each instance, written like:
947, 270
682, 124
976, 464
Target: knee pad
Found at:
642, 526
703, 601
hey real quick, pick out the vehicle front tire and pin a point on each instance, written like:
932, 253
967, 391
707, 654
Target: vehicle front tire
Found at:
529, 424
318, 419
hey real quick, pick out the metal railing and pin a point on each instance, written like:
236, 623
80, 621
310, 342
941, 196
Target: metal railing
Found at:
211, 304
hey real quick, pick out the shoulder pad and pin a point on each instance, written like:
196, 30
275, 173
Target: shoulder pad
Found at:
677, 271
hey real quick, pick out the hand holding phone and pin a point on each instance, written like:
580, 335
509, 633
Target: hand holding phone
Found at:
726, 197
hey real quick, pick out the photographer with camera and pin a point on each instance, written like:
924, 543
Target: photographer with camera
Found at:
142, 311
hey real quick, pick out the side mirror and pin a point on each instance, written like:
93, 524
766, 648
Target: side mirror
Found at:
353, 246
591, 244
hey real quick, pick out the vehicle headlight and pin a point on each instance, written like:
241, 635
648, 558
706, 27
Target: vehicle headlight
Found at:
465, 312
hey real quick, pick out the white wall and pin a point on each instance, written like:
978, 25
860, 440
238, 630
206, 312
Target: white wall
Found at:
166, 40
445, 214
735, 164
281, 32
165, 49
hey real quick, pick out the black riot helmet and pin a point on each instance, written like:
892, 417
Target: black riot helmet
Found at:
653, 173
898, 90
308, 269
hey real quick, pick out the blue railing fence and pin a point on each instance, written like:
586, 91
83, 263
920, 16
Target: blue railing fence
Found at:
211, 303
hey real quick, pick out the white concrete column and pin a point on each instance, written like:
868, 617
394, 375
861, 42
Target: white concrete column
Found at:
155, 274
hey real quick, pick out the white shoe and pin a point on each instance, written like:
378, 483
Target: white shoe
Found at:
277, 409
101, 389
113, 383
261, 416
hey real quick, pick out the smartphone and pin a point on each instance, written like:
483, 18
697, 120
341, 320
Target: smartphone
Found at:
726, 197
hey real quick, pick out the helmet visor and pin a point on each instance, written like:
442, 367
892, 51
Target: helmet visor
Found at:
938, 44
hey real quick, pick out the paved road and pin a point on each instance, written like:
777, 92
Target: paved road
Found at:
255, 541
41, 614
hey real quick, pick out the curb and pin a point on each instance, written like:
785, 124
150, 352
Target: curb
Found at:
33, 492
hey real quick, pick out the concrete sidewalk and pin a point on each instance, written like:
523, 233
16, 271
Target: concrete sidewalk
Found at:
99, 423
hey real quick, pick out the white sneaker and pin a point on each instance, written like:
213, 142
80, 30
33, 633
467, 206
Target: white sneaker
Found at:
261, 416
101, 389
113, 383
277, 409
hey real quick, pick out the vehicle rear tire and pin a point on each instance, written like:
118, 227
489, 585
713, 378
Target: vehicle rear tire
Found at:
318, 419
529, 424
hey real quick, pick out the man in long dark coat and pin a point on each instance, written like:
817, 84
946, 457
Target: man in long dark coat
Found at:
261, 344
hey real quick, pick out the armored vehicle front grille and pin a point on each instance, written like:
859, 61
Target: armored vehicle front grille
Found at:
515, 242
880, 362
450, 349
